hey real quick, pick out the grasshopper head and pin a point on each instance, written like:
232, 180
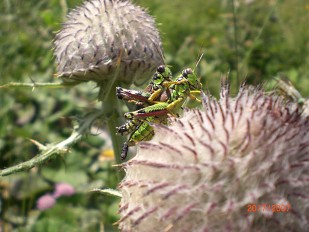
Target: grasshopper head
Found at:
192, 78
163, 73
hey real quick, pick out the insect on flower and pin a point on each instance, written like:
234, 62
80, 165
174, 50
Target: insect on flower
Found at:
161, 98
186, 85
157, 89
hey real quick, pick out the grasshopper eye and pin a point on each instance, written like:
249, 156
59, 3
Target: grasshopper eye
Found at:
161, 69
186, 72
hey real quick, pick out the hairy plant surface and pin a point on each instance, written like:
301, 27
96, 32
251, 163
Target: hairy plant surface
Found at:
204, 171
105, 39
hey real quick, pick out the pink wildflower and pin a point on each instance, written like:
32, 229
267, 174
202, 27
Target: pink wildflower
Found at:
63, 189
45, 202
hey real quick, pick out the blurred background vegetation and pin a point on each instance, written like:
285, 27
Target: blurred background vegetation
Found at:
253, 40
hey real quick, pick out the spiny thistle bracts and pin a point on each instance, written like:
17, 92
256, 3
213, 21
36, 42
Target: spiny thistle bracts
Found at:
108, 39
203, 171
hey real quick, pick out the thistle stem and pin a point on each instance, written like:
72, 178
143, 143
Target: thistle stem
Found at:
111, 112
34, 85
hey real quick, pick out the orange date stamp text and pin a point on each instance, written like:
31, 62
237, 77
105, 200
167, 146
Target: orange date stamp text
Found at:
275, 208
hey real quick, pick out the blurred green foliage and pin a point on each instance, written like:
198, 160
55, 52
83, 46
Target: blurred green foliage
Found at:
251, 40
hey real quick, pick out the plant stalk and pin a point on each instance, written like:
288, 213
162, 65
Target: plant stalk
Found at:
112, 114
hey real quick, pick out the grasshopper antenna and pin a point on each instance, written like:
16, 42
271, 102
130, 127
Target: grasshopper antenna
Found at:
198, 61
200, 56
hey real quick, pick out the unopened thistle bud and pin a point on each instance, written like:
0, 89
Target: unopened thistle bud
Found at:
215, 169
108, 39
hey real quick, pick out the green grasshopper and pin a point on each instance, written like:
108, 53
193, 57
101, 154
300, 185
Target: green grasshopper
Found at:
157, 90
138, 125
185, 86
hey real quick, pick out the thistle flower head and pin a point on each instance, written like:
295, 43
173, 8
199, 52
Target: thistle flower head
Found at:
108, 39
204, 171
